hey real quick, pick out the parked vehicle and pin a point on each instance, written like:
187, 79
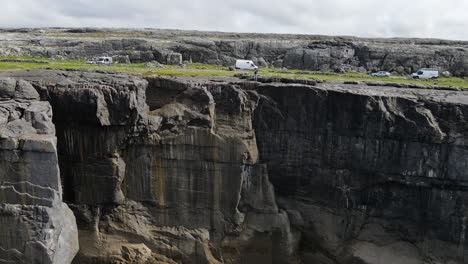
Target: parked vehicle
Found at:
104, 60
246, 65
381, 74
426, 73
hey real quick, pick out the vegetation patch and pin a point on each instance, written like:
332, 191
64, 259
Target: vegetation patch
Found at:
194, 69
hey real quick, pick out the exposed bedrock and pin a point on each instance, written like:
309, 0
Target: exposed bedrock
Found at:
368, 175
310, 52
174, 178
35, 225
193, 170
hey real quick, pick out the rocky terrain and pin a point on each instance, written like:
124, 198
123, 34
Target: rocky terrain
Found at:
310, 52
36, 226
224, 170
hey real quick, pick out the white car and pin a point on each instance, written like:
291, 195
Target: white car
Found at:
381, 74
104, 60
426, 73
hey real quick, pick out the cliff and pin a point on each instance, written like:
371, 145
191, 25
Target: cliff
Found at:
369, 175
310, 52
36, 226
223, 170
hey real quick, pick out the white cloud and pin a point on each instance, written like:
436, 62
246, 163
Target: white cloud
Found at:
368, 18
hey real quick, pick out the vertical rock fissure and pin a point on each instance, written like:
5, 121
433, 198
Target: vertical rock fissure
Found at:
36, 226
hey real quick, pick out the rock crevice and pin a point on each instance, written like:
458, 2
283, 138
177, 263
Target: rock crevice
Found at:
36, 226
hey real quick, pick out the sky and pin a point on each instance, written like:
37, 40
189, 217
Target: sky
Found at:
447, 19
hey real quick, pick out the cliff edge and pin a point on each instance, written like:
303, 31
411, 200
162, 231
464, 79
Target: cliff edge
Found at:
223, 170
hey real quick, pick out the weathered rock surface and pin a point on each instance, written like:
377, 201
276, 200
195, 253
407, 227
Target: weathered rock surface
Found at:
223, 170
173, 178
36, 226
292, 51
368, 174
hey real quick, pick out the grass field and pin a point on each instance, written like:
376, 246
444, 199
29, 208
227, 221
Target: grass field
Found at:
214, 70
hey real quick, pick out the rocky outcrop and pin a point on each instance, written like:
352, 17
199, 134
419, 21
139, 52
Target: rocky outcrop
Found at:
172, 178
223, 170
36, 226
292, 51
369, 175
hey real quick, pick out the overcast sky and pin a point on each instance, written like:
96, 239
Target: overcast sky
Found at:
369, 18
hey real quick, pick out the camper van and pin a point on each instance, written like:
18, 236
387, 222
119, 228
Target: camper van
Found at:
426, 73
245, 65
104, 60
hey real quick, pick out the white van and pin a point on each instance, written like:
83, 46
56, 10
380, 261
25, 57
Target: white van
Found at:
104, 60
246, 65
426, 73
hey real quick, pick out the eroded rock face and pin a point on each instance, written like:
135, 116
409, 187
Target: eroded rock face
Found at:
193, 170
369, 175
36, 226
172, 178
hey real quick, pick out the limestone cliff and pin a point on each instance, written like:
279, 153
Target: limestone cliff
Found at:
222, 170
370, 175
36, 226
310, 52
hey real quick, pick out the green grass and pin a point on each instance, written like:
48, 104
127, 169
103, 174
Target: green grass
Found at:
215, 70
355, 76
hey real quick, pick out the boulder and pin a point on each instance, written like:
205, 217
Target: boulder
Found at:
121, 59
446, 74
277, 63
24, 90
174, 58
262, 62
7, 87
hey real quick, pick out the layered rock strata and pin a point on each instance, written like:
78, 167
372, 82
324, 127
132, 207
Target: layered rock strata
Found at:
222, 170
311, 52
368, 174
36, 226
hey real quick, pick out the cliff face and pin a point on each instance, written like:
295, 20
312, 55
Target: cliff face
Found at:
174, 180
292, 51
192, 170
36, 226
368, 175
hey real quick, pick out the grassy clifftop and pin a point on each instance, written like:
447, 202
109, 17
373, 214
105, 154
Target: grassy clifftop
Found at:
11, 63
